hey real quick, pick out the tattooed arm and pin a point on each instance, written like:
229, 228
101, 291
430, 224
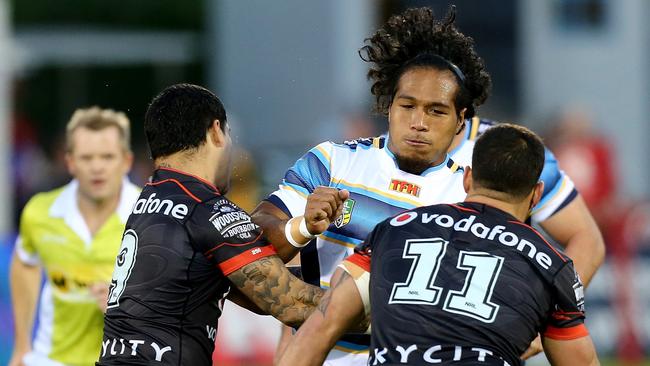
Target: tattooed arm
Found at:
277, 292
340, 309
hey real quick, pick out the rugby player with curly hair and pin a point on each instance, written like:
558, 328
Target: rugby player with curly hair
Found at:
429, 81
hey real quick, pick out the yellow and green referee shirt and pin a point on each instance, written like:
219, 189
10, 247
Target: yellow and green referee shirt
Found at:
53, 234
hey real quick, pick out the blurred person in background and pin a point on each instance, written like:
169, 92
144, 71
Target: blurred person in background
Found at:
73, 234
396, 172
587, 157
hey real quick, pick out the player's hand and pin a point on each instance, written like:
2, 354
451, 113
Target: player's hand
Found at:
99, 291
324, 205
534, 348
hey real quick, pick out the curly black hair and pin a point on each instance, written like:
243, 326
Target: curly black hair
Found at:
415, 39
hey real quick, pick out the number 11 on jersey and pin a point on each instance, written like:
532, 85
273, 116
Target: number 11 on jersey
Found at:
473, 300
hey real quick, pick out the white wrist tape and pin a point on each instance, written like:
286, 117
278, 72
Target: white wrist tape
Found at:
302, 227
287, 232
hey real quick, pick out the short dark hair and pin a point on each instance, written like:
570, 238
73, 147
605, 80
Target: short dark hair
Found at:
179, 117
509, 159
416, 39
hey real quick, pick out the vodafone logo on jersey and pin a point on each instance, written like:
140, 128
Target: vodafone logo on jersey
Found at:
403, 219
153, 205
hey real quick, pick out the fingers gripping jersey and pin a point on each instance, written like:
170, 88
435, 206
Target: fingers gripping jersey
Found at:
465, 284
559, 189
181, 241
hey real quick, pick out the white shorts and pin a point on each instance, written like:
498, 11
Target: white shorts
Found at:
37, 359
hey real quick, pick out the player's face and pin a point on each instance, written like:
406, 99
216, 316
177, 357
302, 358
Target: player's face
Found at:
99, 162
422, 118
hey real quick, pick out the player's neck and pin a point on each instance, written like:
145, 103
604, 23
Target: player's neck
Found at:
190, 164
518, 209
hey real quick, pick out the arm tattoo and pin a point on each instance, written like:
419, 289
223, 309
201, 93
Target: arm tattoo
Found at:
325, 301
269, 284
363, 322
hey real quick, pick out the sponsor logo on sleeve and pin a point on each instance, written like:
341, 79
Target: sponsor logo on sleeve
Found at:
579, 291
231, 221
346, 215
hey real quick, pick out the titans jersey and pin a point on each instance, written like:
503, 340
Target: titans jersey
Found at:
378, 189
559, 190
181, 241
465, 284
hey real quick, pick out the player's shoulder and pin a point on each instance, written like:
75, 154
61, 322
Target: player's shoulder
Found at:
419, 215
337, 154
221, 216
220, 212
478, 126
534, 245
362, 143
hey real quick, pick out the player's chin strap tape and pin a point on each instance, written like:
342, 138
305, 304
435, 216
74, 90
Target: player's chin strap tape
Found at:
304, 237
363, 286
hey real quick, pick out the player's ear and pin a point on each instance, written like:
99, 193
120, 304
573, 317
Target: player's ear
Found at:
460, 124
537, 193
467, 179
216, 134
69, 163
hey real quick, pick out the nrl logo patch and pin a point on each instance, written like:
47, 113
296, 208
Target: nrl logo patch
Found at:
346, 216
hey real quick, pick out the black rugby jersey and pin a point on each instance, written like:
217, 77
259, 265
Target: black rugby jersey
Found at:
181, 241
465, 284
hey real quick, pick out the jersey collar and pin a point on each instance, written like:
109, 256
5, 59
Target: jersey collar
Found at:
170, 173
386, 149
65, 206
482, 207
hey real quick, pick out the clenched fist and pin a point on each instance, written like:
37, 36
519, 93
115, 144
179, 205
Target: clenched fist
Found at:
324, 205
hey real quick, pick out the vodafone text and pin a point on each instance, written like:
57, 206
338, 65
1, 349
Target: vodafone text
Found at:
154, 205
479, 230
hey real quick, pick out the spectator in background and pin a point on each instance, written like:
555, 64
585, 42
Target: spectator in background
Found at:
73, 233
587, 158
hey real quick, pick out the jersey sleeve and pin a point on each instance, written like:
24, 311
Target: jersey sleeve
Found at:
310, 171
566, 320
363, 252
357, 266
559, 189
361, 256
25, 246
226, 236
